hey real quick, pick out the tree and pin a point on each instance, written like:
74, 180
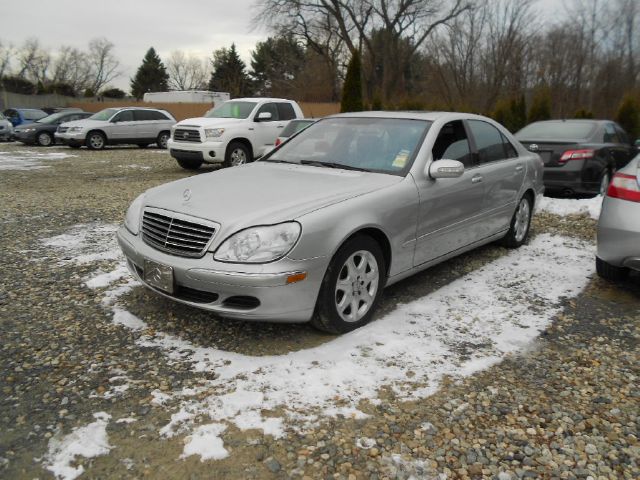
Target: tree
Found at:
18, 85
103, 64
113, 93
352, 91
7, 52
71, 68
229, 73
186, 72
151, 76
34, 62
276, 64
628, 116
540, 106
583, 113
512, 113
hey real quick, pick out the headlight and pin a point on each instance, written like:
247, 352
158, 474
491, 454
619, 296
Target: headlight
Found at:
74, 129
213, 132
259, 244
26, 130
132, 218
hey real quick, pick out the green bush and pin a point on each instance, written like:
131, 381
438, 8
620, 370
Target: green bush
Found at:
628, 115
540, 106
352, 89
583, 113
512, 113
113, 93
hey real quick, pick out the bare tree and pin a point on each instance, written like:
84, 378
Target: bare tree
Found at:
34, 61
102, 62
187, 72
71, 67
7, 51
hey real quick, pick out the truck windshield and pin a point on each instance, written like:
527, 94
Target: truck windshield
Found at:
232, 110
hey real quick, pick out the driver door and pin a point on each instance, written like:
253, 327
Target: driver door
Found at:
266, 131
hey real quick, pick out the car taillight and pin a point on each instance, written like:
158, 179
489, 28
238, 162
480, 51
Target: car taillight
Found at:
278, 141
624, 187
576, 155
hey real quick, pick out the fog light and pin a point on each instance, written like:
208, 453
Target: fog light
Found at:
212, 153
296, 277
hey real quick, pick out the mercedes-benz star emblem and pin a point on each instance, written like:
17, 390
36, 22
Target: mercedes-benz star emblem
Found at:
186, 195
155, 275
533, 147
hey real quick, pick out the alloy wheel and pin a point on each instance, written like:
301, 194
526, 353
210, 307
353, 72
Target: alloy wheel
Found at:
356, 286
522, 220
238, 157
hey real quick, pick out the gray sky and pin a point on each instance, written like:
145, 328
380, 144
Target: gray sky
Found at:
194, 26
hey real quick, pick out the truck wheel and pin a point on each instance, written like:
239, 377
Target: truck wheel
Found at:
237, 154
189, 164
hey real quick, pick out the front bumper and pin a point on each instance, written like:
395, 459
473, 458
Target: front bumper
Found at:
25, 137
619, 233
216, 286
74, 138
208, 152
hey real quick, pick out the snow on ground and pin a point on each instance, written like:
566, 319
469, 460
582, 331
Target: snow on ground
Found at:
88, 442
570, 206
466, 326
29, 159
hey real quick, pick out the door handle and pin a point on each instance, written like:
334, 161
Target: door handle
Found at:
280, 126
476, 179
519, 168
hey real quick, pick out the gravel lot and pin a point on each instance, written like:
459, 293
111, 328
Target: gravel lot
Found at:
103, 379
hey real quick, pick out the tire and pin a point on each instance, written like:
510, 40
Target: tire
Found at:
358, 264
44, 139
189, 164
605, 179
163, 138
610, 272
520, 224
142, 145
237, 154
96, 140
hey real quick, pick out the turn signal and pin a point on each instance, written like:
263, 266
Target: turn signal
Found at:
296, 277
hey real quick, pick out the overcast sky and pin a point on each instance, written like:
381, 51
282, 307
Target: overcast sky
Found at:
194, 26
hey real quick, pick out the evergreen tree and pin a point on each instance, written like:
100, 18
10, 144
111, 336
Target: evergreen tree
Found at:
583, 113
628, 116
540, 106
229, 73
512, 113
151, 76
352, 90
276, 64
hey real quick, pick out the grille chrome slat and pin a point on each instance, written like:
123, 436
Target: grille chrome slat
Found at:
174, 235
184, 135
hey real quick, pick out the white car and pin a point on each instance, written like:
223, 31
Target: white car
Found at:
6, 128
236, 132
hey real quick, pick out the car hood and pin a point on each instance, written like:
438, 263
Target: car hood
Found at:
211, 122
263, 193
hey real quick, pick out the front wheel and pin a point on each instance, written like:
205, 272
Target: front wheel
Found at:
163, 138
237, 154
44, 139
351, 287
520, 223
96, 141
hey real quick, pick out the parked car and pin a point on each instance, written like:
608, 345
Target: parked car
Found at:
580, 156
293, 127
6, 128
619, 225
20, 116
233, 133
351, 204
41, 132
116, 126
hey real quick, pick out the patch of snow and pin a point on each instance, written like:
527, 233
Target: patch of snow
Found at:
107, 278
137, 167
127, 319
88, 442
126, 420
570, 206
87, 243
29, 159
160, 398
206, 442
365, 443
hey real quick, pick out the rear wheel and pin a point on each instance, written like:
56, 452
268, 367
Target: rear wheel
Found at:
351, 287
96, 140
163, 138
520, 223
189, 164
610, 272
44, 139
605, 179
237, 154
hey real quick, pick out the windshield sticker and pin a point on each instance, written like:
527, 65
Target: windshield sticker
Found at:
401, 159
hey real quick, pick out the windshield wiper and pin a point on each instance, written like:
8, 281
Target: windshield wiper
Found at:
316, 163
276, 160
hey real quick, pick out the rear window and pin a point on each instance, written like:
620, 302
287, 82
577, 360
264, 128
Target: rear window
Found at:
286, 111
563, 130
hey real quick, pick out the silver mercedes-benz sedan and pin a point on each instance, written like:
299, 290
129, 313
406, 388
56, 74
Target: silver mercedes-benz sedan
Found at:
619, 225
316, 230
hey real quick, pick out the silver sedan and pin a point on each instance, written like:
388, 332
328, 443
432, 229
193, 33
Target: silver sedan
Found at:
323, 223
619, 225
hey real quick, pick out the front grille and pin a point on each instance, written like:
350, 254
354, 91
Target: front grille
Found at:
175, 235
62, 129
184, 135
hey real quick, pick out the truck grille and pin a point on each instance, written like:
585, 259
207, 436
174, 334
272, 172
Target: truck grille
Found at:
184, 135
175, 235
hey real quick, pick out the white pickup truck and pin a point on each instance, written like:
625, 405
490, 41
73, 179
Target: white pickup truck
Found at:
233, 133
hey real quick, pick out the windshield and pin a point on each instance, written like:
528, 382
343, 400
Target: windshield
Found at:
105, 114
385, 145
232, 110
33, 114
557, 130
53, 118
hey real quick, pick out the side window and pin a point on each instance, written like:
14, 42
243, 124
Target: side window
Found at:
452, 144
142, 115
126, 116
509, 148
622, 135
610, 134
286, 111
271, 108
159, 115
488, 141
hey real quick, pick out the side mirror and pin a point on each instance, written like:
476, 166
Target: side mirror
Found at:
446, 169
263, 116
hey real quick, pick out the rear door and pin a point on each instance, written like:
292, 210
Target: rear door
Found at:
146, 124
266, 131
501, 171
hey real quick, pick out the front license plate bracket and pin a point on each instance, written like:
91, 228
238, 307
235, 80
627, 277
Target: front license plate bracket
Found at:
159, 276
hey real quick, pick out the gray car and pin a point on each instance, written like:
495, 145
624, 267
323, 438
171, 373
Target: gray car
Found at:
6, 128
323, 223
116, 126
619, 225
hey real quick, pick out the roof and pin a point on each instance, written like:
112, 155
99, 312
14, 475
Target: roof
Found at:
418, 115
